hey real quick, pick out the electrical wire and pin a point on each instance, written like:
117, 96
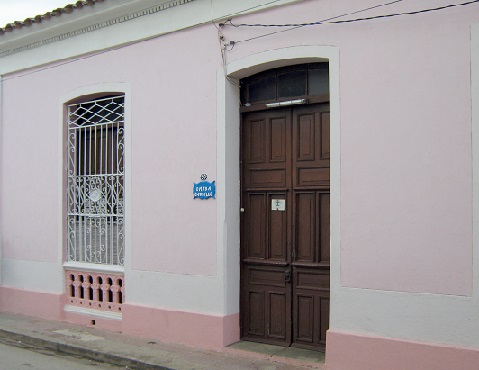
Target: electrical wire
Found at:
222, 48
230, 46
229, 22
329, 20
293, 26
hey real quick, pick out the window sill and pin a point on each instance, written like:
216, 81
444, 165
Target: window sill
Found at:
91, 267
92, 312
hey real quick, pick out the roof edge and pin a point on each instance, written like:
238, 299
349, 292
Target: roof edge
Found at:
67, 9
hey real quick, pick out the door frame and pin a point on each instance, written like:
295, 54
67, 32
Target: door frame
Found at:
228, 169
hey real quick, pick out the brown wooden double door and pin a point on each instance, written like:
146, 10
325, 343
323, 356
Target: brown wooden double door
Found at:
285, 226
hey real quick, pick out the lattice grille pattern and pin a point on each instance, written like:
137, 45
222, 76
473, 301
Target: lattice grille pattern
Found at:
104, 292
96, 181
95, 112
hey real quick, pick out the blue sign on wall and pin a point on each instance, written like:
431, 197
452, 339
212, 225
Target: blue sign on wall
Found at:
204, 190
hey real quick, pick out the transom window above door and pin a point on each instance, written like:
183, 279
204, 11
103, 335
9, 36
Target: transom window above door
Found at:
309, 82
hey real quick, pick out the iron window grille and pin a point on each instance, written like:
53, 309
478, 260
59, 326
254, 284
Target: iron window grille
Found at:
95, 181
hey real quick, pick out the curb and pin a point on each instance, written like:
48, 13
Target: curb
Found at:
36, 342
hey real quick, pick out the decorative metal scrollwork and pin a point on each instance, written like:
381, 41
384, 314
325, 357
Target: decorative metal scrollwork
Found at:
96, 181
95, 195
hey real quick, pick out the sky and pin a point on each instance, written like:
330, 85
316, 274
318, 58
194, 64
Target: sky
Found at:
19, 10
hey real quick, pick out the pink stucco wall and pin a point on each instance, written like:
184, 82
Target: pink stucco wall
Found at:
189, 328
26, 302
406, 165
405, 124
173, 143
29, 181
405, 150
348, 351
406, 172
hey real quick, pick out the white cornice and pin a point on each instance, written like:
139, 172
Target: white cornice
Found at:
113, 23
94, 27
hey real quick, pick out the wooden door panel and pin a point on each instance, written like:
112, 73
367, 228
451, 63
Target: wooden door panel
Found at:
305, 319
309, 279
255, 141
277, 140
266, 147
265, 276
324, 231
306, 138
277, 230
311, 147
305, 226
285, 253
265, 230
312, 227
256, 226
311, 152
308, 177
256, 310
267, 313
310, 307
277, 315
267, 179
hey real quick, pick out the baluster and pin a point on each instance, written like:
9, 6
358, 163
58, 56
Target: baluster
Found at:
77, 284
115, 288
86, 287
106, 290
96, 288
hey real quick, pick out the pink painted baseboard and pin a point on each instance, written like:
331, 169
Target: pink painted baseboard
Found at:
26, 302
189, 328
193, 329
231, 329
347, 351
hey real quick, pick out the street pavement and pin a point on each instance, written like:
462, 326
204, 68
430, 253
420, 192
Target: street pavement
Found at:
143, 353
17, 356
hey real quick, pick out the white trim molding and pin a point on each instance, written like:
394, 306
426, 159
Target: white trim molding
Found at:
85, 91
228, 138
92, 267
128, 22
475, 155
1, 174
93, 313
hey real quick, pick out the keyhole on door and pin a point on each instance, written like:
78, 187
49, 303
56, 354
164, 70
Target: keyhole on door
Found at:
287, 276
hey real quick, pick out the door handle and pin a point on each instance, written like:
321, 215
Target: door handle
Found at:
287, 276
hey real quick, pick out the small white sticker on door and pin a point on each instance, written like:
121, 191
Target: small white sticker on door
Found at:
278, 204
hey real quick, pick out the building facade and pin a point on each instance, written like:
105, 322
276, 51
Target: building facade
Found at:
291, 172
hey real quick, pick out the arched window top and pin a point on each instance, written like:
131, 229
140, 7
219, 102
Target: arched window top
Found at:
106, 109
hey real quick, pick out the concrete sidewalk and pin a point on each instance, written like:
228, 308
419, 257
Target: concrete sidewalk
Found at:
140, 353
